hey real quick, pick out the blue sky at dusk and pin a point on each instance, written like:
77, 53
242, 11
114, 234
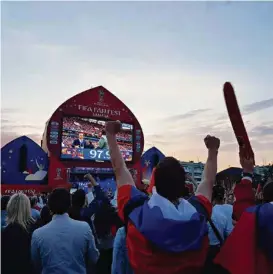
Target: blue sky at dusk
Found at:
167, 61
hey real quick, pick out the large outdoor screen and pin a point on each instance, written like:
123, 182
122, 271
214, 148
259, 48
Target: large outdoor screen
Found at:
85, 139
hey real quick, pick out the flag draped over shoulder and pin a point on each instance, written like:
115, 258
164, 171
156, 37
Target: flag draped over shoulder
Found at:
162, 238
249, 248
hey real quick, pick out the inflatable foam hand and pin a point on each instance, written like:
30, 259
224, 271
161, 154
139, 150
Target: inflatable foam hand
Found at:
113, 127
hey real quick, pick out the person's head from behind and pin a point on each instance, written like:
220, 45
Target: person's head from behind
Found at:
18, 210
218, 194
33, 201
46, 217
104, 219
170, 179
4, 202
268, 191
59, 201
78, 198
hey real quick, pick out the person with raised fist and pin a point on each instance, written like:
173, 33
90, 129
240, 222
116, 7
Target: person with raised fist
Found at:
249, 248
165, 233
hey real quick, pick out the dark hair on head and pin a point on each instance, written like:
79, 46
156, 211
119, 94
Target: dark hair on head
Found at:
186, 192
103, 132
268, 192
104, 219
59, 201
4, 202
33, 201
46, 217
78, 200
170, 179
218, 193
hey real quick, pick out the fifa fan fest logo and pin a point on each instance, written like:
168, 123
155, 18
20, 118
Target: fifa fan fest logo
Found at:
101, 96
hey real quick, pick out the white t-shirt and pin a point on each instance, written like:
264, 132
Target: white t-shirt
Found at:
90, 197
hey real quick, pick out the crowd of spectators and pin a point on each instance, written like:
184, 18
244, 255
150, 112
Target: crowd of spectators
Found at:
152, 231
91, 129
91, 132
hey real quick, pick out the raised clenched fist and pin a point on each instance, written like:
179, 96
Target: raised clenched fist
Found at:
113, 127
247, 164
90, 178
212, 143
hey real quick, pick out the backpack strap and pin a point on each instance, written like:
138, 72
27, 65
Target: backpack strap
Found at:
131, 205
258, 208
202, 210
216, 231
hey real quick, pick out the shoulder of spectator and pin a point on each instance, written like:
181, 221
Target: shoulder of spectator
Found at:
36, 234
121, 234
125, 194
80, 224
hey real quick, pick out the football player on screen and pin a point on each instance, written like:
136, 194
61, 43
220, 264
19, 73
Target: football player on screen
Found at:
81, 143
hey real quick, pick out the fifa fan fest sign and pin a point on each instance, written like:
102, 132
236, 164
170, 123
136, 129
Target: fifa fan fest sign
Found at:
100, 112
75, 135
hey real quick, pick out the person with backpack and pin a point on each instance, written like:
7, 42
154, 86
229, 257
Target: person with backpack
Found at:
220, 227
165, 233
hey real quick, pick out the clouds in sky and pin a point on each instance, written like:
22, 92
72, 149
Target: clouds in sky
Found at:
257, 106
189, 114
167, 61
189, 129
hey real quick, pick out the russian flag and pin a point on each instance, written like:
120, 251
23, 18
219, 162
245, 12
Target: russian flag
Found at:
249, 248
164, 238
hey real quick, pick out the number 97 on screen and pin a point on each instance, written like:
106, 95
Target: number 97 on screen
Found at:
99, 154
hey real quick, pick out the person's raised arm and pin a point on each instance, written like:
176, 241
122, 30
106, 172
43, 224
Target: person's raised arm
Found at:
205, 187
244, 196
123, 175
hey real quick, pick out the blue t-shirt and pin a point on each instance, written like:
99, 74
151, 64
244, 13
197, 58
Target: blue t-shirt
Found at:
35, 214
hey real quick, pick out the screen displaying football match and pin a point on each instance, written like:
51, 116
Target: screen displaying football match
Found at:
85, 139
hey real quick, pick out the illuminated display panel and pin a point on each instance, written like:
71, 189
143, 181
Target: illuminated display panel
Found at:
84, 139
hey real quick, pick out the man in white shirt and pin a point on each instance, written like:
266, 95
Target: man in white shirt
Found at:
222, 220
90, 195
219, 204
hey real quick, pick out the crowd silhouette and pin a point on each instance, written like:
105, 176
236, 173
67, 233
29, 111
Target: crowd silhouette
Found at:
164, 229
